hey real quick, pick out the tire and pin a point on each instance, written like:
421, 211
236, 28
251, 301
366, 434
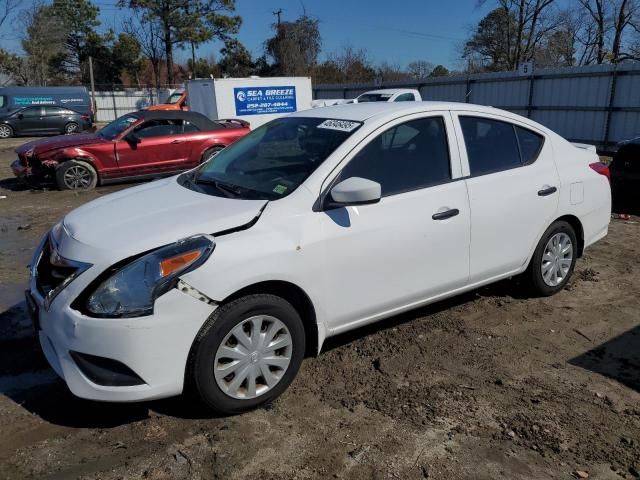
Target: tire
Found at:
274, 316
551, 255
70, 128
211, 152
6, 131
76, 175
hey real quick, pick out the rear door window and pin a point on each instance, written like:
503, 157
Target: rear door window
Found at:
56, 111
494, 145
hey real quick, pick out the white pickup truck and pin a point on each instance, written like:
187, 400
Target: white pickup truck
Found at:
382, 95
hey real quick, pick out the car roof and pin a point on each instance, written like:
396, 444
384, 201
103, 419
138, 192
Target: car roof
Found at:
361, 112
199, 120
42, 90
389, 91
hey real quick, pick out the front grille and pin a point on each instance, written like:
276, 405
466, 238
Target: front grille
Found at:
50, 276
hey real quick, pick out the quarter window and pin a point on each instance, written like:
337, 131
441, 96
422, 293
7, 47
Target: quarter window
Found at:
407, 157
493, 145
530, 144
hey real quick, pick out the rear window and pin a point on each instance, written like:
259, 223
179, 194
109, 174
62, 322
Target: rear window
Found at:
374, 97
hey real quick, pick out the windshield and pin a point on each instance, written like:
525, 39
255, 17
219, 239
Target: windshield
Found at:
174, 97
115, 128
273, 160
374, 97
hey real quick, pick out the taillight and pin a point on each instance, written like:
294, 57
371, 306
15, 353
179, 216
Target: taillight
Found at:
85, 117
601, 168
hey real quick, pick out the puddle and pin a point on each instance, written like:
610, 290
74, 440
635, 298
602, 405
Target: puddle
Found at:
12, 384
14, 320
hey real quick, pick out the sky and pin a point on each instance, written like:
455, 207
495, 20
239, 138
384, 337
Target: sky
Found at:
395, 32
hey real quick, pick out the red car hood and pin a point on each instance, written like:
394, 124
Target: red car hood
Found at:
60, 141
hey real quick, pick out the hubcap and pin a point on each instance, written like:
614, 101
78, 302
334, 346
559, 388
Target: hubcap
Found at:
253, 357
71, 128
77, 177
5, 131
557, 259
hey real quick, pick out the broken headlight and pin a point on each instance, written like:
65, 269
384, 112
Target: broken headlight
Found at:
131, 290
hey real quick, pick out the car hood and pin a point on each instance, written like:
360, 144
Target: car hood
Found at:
60, 141
141, 218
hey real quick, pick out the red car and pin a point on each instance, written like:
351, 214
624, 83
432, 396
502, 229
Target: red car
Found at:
135, 146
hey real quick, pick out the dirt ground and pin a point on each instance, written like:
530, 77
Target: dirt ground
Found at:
487, 385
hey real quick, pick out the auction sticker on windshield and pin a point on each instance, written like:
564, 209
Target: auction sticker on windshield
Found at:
342, 125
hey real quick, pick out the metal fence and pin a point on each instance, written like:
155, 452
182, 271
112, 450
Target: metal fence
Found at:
596, 104
114, 101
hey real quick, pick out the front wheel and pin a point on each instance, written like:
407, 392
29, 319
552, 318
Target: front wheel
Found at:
76, 175
553, 260
247, 353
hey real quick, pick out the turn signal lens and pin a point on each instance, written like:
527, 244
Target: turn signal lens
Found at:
170, 265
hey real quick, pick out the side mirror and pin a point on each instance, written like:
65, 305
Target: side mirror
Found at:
20, 116
355, 191
133, 139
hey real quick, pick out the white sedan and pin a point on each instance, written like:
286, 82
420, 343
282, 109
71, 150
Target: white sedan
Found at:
221, 279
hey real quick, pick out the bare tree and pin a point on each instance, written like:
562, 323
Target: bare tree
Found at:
7, 10
148, 33
625, 13
532, 20
598, 15
608, 22
420, 69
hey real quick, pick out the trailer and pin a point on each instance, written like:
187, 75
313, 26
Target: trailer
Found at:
256, 100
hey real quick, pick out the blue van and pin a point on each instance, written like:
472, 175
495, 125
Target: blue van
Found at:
40, 107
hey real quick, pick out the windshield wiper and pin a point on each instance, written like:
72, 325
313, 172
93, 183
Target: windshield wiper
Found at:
229, 190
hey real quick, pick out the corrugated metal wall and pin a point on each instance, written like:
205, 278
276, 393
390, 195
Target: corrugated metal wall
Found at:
597, 104
112, 104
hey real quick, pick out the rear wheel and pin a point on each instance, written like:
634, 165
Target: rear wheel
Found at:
71, 127
247, 353
211, 152
76, 175
553, 261
6, 131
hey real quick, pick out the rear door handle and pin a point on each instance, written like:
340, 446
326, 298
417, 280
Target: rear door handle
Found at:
178, 141
546, 190
446, 214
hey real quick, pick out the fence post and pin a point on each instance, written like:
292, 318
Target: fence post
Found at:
113, 98
612, 97
530, 103
468, 92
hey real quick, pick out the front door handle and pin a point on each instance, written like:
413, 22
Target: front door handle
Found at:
547, 190
177, 141
452, 212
